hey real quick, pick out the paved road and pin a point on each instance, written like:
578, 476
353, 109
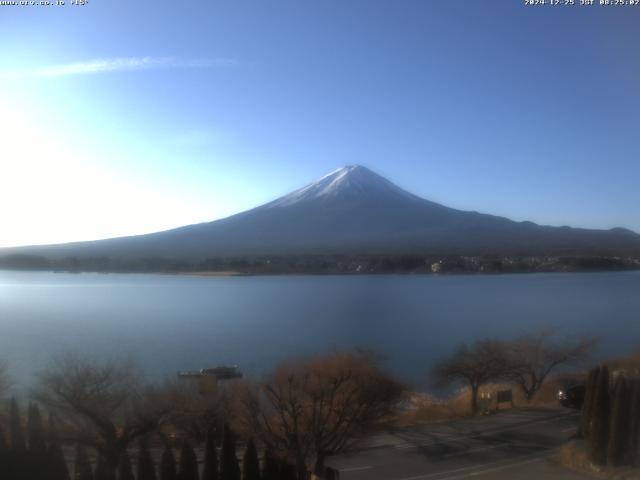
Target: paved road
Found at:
513, 444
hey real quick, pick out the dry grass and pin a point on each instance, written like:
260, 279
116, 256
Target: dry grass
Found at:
425, 408
630, 364
573, 456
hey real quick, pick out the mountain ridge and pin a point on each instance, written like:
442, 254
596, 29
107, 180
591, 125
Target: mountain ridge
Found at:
352, 210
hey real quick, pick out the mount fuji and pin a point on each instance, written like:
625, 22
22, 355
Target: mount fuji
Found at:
352, 211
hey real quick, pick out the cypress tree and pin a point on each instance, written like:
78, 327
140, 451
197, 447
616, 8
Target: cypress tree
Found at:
57, 464
210, 470
18, 445
82, 470
188, 463
229, 468
103, 469
619, 430
599, 430
587, 408
250, 463
4, 446
634, 423
269, 466
36, 462
287, 471
146, 470
125, 472
4, 453
168, 465
35, 431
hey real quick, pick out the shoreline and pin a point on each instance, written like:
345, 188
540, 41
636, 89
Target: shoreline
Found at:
228, 273
330, 264
234, 273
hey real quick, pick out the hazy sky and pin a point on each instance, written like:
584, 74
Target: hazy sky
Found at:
124, 117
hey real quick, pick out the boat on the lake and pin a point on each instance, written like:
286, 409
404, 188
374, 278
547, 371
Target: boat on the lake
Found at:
221, 372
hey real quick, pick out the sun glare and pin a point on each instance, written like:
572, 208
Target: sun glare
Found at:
53, 191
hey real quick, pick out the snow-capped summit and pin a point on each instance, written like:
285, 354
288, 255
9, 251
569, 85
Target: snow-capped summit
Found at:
351, 181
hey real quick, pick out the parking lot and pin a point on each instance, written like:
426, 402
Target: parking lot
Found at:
516, 443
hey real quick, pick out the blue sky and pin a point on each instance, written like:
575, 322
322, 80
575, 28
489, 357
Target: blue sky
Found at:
129, 117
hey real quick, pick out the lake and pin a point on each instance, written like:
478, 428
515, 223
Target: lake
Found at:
169, 323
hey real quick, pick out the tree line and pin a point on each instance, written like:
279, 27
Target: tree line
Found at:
610, 422
295, 418
37, 454
324, 263
526, 362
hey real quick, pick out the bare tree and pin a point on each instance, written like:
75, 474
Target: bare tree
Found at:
104, 404
310, 410
533, 357
197, 407
484, 362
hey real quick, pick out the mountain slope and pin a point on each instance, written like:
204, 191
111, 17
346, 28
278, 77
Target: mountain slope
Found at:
354, 210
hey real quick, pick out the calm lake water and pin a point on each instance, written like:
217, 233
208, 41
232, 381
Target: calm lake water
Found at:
168, 323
